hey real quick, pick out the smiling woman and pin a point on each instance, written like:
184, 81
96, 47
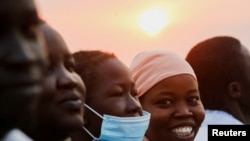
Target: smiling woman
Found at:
153, 21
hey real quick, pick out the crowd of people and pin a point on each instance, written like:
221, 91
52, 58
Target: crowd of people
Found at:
48, 93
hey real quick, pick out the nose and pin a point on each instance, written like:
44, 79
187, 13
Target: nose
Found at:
133, 106
66, 79
25, 53
182, 110
21, 55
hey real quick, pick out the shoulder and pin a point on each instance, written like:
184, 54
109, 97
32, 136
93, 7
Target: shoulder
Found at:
68, 139
219, 117
16, 135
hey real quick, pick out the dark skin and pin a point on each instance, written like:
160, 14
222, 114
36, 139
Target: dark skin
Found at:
175, 106
237, 102
61, 104
23, 62
220, 88
113, 94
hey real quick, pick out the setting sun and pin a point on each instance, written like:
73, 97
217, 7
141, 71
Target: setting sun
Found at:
153, 21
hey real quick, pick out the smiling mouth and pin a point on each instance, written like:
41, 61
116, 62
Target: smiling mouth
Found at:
183, 131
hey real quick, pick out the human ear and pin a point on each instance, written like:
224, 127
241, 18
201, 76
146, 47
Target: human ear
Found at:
234, 90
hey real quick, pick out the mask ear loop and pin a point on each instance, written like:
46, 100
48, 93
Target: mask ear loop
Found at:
93, 111
85, 129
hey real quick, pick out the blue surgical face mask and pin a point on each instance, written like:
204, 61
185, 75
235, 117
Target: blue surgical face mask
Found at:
121, 128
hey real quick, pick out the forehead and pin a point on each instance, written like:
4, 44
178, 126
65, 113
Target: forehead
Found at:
16, 10
245, 51
110, 74
56, 44
114, 68
176, 85
15, 6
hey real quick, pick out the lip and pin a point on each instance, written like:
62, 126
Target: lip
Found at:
72, 102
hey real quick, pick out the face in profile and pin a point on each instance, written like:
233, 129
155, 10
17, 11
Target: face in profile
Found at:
61, 106
22, 57
113, 94
245, 90
175, 107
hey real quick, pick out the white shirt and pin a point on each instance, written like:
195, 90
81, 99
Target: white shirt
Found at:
16, 135
214, 117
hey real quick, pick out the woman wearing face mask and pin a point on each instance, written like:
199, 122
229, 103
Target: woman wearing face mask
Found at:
112, 110
60, 108
168, 89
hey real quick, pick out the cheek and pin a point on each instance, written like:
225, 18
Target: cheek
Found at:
159, 117
120, 109
49, 84
117, 108
199, 114
81, 85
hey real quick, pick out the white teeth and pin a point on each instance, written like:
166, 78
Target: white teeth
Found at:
183, 131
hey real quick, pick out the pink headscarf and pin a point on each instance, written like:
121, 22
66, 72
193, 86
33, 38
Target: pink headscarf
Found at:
150, 67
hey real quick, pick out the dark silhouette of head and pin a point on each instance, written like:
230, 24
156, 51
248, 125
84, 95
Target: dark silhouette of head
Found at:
222, 66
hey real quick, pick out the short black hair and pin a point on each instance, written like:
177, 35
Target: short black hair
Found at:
87, 62
216, 61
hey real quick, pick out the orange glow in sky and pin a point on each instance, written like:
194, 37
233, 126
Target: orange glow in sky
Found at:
114, 25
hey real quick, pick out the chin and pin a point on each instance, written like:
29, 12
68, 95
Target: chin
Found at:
73, 122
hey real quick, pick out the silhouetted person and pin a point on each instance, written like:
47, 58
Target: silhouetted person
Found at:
222, 66
23, 61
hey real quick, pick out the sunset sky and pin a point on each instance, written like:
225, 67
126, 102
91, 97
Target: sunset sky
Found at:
114, 25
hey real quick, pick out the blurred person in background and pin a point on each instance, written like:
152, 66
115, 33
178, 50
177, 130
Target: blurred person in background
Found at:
222, 66
60, 109
23, 62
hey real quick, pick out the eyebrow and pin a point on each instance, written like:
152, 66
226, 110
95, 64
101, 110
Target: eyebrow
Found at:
122, 84
168, 93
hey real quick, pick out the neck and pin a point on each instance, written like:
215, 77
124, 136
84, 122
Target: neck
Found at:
48, 134
238, 111
4, 128
245, 114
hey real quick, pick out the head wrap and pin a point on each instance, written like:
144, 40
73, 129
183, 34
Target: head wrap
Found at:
150, 67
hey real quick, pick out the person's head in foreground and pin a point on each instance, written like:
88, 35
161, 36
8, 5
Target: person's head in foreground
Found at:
167, 88
61, 104
222, 66
113, 111
23, 61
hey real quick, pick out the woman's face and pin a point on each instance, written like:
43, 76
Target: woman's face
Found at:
113, 94
175, 107
63, 99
